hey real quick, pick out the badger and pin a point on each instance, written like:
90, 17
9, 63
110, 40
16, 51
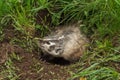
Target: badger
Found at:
67, 42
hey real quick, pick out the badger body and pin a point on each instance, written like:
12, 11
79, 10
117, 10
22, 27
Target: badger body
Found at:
66, 41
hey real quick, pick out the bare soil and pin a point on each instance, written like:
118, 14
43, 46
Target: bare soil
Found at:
32, 66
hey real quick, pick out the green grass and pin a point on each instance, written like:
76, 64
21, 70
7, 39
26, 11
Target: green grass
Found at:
9, 71
96, 72
22, 14
102, 25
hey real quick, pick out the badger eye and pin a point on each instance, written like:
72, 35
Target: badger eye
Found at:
52, 47
58, 50
48, 43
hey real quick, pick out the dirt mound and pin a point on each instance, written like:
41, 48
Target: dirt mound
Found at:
6, 49
31, 66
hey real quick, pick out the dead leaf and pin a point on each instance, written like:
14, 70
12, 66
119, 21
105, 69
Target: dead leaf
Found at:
83, 78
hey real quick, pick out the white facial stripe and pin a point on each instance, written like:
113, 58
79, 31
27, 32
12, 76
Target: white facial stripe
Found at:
61, 37
54, 53
51, 43
46, 46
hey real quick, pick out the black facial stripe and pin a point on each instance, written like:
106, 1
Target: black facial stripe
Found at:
48, 42
59, 50
49, 50
52, 47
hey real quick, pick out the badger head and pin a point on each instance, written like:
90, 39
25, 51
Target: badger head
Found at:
52, 46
